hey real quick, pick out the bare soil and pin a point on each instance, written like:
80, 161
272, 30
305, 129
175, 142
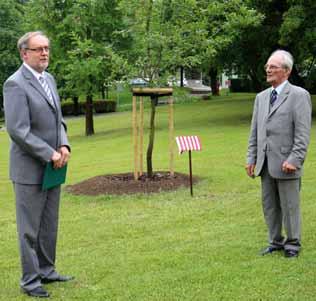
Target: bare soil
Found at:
124, 183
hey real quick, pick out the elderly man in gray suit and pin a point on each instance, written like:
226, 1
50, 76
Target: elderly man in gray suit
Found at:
38, 136
279, 137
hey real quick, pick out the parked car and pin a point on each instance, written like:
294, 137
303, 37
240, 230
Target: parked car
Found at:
176, 82
140, 82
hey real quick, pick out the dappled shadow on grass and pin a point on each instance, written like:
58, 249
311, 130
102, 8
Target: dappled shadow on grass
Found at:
124, 183
114, 133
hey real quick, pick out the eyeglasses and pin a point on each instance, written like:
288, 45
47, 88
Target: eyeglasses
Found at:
39, 49
272, 67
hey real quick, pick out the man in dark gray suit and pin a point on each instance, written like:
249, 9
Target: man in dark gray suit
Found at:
38, 136
279, 137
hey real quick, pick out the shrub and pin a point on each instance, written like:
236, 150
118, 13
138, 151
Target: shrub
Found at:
82, 108
104, 106
241, 85
111, 106
67, 109
99, 106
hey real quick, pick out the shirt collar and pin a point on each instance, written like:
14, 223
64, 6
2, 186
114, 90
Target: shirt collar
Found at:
280, 87
34, 72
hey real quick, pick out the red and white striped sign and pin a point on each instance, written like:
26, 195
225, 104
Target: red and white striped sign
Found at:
188, 143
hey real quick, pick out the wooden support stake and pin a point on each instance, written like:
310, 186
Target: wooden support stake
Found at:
171, 136
135, 134
141, 135
190, 166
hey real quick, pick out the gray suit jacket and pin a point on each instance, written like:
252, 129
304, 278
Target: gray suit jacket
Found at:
35, 125
283, 133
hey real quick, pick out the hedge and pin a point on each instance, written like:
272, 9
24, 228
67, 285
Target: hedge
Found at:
241, 85
99, 106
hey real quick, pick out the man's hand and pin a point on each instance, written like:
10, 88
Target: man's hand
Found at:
250, 169
288, 168
65, 155
56, 158
61, 157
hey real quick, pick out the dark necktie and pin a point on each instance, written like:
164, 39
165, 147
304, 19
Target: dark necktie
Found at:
273, 97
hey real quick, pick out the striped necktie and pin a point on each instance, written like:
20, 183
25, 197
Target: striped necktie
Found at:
273, 97
46, 89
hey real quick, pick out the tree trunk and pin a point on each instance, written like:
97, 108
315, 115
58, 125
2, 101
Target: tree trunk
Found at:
102, 92
89, 116
75, 99
256, 83
181, 76
154, 100
296, 79
214, 81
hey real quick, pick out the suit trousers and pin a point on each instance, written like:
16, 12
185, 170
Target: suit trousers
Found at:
37, 225
281, 207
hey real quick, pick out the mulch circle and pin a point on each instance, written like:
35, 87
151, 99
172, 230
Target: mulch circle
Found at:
124, 183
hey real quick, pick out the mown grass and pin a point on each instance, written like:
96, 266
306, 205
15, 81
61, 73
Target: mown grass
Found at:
168, 246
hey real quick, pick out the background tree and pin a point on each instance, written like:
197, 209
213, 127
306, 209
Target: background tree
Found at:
298, 34
159, 37
252, 47
53, 17
171, 34
11, 12
224, 21
288, 25
94, 61
87, 37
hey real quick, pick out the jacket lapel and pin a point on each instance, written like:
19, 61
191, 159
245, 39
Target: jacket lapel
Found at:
282, 97
35, 84
266, 104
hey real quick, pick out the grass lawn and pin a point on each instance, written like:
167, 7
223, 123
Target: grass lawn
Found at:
168, 246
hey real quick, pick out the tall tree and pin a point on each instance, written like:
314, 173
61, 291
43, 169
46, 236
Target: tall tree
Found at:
298, 34
53, 17
10, 30
224, 21
287, 24
252, 50
88, 36
169, 34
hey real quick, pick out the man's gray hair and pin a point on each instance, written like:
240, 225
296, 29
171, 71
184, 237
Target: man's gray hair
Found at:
23, 42
287, 58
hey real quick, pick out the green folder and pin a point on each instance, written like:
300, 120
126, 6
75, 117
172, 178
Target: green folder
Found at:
53, 176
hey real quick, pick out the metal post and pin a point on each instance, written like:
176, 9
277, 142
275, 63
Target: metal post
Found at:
190, 165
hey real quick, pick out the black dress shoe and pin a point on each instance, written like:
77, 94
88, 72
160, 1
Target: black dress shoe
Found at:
291, 253
60, 278
270, 249
37, 292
